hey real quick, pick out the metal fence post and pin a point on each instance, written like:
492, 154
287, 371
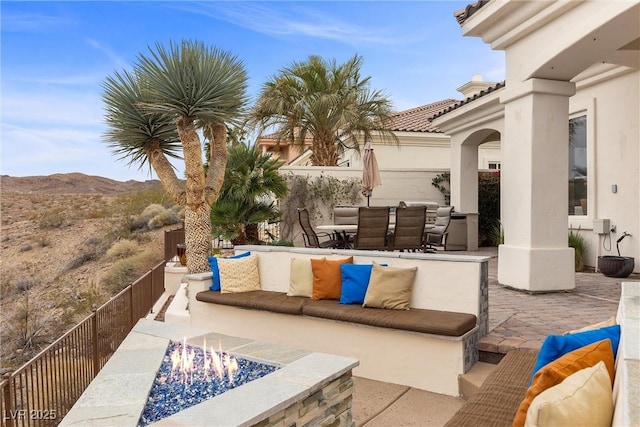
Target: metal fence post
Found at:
9, 411
94, 333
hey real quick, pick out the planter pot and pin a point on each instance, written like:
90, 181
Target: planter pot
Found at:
616, 266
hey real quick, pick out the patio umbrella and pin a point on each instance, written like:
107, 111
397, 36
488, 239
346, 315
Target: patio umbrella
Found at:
370, 171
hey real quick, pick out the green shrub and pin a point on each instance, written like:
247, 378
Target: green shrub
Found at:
488, 207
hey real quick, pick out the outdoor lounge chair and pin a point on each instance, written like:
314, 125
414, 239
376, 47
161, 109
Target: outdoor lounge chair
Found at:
310, 237
373, 226
409, 230
437, 235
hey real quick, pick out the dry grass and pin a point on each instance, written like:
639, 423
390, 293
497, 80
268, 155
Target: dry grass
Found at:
63, 254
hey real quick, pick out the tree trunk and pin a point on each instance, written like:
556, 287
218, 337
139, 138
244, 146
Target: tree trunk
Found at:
197, 220
197, 235
324, 151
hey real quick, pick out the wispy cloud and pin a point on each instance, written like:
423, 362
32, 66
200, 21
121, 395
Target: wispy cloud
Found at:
117, 60
32, 22
295, 21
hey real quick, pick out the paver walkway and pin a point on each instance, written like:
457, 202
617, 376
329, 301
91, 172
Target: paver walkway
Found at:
519, 319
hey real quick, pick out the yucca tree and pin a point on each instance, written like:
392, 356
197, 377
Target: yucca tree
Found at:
160, 106
330, 103
251, 185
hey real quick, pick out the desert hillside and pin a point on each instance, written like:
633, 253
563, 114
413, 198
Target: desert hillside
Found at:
70, 183
69, 242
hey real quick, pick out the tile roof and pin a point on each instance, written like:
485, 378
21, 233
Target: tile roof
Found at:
459, 104
463, 14
419, 119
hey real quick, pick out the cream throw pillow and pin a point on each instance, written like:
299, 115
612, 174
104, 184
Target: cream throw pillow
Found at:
239, 274
609, 322
582, 399
300, 278
390, 287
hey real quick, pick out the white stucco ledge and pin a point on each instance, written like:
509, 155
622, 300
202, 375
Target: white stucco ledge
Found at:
626, 391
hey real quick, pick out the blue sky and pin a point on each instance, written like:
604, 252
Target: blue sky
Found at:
55, 56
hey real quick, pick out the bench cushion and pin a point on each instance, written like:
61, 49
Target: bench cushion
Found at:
498, 399
277, 302
416, 320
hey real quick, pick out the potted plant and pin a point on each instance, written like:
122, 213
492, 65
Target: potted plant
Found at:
616, 266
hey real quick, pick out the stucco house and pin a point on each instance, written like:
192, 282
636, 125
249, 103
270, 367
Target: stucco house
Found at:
570, 65
563, 128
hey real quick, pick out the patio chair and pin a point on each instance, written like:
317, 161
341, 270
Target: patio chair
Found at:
310, 237
346, 215
409, 230
437, 235
373, 227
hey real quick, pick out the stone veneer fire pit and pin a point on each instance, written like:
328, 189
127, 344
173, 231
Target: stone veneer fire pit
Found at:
308, 387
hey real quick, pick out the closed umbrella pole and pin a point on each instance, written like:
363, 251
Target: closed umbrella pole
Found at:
370, 171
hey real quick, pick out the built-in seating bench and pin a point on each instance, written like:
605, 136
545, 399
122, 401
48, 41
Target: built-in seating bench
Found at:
416, 320
426, 347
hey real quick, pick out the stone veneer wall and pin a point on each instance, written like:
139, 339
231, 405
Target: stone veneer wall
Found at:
328, 406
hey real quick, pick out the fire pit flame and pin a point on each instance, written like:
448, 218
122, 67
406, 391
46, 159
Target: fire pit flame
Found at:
215, 363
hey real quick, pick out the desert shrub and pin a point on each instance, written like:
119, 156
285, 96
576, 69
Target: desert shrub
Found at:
166, 217
133, 203
26, 248
91, 250
23, 285
124, 271
52, 219
43, 239
122, 249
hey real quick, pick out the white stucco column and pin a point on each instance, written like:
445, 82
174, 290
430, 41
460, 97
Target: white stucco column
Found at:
464, 185
535, 255
464, 175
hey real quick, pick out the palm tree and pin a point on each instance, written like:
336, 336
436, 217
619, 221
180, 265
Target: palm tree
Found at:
247, 197
160, 106
330, 103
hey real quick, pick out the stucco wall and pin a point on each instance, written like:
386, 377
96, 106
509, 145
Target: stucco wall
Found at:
613, 158
421, 151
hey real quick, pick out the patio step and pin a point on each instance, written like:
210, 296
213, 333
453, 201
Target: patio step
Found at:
469, 383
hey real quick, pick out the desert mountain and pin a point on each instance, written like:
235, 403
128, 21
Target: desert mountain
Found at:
70, 183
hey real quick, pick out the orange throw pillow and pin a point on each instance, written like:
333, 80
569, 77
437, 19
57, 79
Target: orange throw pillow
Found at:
555, 372
327, 277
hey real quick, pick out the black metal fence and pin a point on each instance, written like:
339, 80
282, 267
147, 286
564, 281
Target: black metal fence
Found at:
41, 392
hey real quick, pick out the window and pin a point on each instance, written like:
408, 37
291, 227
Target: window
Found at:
494, 165
578, 166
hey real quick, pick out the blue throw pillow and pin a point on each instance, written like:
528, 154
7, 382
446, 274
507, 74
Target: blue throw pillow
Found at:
555, 346
355, 281
213, 262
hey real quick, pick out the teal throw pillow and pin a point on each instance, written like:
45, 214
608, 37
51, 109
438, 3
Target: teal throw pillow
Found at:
215, 271
355, 281
555, 346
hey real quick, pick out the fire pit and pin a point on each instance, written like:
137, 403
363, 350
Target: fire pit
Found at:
293, 386
190, 374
